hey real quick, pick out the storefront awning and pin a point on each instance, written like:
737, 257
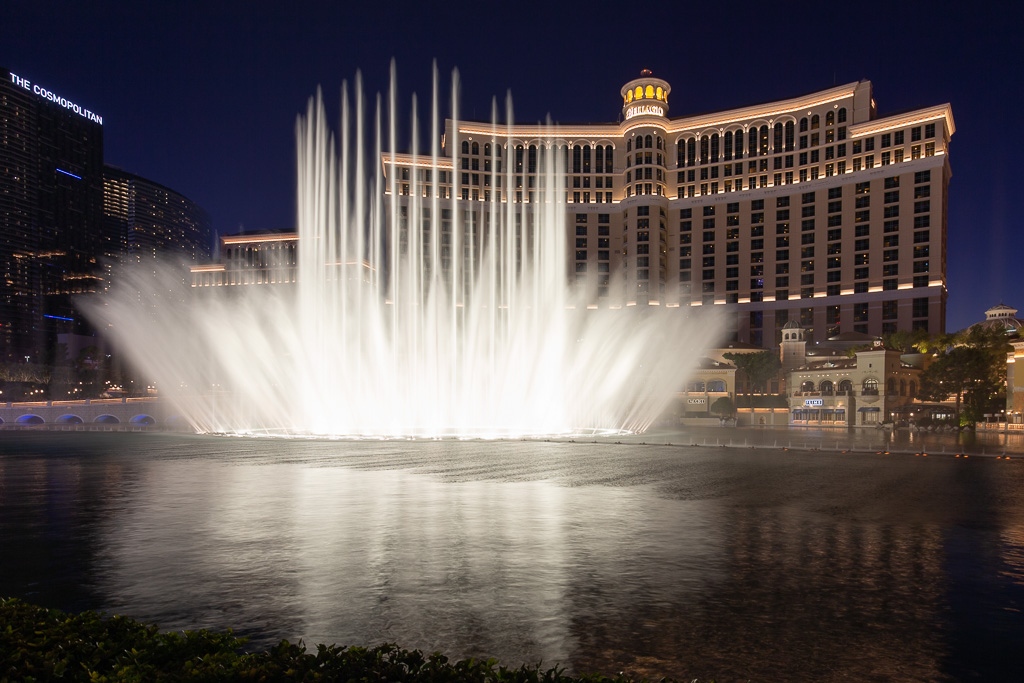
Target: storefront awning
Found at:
873, 409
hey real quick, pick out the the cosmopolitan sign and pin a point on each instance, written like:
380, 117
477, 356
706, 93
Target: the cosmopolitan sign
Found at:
642, 109
55, 98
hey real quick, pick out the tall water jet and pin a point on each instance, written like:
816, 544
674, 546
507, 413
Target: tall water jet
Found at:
396, 326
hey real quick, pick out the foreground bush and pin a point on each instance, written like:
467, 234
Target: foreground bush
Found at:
37, 644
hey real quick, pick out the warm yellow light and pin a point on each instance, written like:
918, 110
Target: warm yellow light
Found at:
658, 92
639, 92
649, 92
283, 237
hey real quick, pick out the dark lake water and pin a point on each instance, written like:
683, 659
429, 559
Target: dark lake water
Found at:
726, 563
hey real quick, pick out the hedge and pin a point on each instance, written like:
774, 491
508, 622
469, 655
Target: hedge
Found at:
39, 644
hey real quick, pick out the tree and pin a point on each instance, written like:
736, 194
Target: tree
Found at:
906, 341
758, 367
723, 407
972, 368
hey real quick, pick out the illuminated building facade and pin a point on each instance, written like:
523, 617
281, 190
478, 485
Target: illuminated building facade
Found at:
251, 258
51, 214
812, 209
153, 222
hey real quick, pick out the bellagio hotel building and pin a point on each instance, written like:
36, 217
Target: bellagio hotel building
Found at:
811, 209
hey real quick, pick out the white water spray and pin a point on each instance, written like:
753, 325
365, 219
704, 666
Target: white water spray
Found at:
406, 325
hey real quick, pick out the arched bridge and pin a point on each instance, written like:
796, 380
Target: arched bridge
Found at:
116, 413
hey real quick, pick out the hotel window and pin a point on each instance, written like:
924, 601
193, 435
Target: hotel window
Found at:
929, 149
920, 308
891, 226
929, 130
922, 236
922, 207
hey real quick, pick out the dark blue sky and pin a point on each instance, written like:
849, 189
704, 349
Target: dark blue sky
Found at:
202, 96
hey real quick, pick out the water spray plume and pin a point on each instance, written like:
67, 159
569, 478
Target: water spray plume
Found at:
446, 317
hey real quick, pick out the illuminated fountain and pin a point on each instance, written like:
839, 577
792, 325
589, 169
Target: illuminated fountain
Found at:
375, 339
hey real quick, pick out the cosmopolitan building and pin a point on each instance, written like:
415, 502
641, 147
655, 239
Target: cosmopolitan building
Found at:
51, 214
65, 217
812, 209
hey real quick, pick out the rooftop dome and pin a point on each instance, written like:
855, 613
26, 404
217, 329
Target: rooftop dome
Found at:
1001, 317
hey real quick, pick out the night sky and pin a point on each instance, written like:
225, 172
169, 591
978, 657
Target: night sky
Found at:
202, 96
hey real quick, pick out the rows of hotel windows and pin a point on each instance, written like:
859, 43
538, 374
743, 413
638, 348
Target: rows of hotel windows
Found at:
759, 320
709, 164
599, 244
468, 238
779, 163
481, 174
797, 272
252, 263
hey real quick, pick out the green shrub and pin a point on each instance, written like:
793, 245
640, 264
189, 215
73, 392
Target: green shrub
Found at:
38, 644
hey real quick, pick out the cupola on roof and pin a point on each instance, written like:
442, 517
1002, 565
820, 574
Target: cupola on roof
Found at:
645, 96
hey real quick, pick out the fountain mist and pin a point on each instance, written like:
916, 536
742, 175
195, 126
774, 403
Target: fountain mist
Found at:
395, 328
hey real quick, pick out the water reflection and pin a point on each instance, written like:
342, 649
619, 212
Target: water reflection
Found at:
476, 568
656, 561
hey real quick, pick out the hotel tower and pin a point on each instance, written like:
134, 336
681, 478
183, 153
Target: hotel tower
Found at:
811, 209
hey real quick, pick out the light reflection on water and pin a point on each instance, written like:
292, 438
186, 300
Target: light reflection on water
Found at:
687, 562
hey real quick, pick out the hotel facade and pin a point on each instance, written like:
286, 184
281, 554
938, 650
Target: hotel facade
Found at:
812, 209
